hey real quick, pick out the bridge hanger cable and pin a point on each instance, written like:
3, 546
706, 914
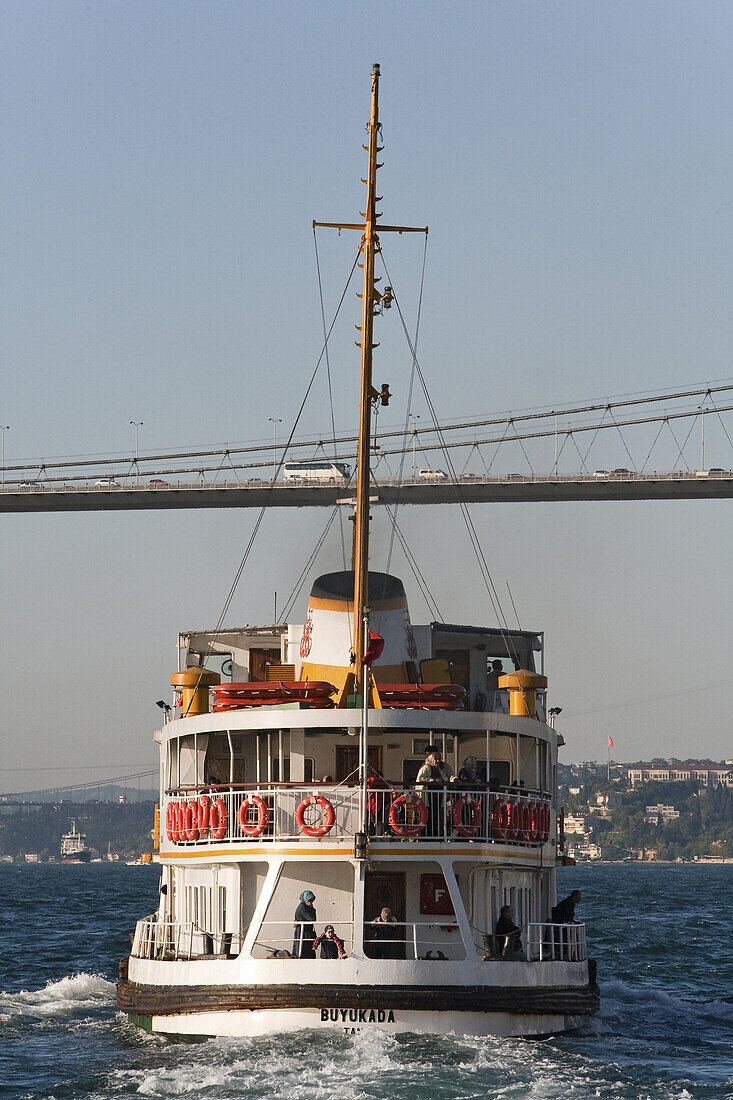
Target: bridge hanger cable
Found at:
43, 466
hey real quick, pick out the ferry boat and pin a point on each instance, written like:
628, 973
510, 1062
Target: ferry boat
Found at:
391, 780
74, 848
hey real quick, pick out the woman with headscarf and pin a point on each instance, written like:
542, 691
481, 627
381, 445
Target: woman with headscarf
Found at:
469, 773
304, 934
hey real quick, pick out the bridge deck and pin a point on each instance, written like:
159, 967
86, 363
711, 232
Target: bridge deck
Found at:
515, 489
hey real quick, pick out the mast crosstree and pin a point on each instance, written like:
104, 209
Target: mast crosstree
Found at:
372, 303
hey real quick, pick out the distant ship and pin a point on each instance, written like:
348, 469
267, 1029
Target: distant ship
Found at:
74, 848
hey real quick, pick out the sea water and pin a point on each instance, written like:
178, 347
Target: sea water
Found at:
661, 935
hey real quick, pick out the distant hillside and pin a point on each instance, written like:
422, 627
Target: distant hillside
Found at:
105, 792
39, 827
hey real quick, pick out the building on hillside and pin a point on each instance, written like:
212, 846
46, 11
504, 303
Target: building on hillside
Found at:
585, 851
575, 823
608, 799
708, 775
660, 814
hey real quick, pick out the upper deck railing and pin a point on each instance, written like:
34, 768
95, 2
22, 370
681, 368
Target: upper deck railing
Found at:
257, 814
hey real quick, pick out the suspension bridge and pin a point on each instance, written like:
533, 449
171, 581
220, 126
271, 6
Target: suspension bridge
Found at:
661, 446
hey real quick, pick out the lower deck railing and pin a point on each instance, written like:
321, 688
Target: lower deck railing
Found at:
430, 941
256, 814
173, 940
556, 941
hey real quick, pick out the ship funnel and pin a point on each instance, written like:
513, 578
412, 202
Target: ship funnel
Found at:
327, 644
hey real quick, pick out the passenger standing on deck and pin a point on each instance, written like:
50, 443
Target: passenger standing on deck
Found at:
564, 911
469, 773
383, 933
434, 774
304, 934
493, 673
331, 945
507, 935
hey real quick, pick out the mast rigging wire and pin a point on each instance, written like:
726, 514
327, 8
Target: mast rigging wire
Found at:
263, 509
328, 375
409, 403
472, 533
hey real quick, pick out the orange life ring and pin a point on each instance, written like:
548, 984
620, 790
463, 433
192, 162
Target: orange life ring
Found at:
535, 822
178, 819
170, 827
190, 819
328, 819
203, 814
415, 804
258, 827
546, 819
218, 819
522, 817
474, 806
513, 825
500, 820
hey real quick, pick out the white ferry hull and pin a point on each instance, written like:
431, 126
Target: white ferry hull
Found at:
352, 1021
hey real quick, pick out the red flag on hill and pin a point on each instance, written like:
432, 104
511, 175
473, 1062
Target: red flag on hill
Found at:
374, 649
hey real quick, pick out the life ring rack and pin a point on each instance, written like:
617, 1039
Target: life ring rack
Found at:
414, 803
500, 819
328, 816
253, 828
218, 819
474, 806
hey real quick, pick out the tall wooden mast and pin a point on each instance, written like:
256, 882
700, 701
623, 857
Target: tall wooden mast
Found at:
372, 302
369, 246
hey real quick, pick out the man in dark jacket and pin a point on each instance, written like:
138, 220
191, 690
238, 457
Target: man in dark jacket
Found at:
564, 911
507, 935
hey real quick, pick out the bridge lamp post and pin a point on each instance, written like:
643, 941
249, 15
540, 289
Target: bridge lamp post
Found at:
137, 424
3, 428
274, 420
413, 417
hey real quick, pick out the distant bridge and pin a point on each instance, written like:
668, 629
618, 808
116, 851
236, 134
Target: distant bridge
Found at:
512, 488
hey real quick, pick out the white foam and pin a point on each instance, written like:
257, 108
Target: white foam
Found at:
72, 995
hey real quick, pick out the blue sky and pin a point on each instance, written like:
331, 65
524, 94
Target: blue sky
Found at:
162, 165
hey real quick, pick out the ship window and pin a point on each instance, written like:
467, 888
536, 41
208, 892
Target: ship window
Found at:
308, 769
420, 744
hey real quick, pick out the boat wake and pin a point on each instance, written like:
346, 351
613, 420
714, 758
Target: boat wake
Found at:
314, 1066
77, 995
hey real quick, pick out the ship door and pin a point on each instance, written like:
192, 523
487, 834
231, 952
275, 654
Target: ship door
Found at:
347, 761
382, 889
259, 659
